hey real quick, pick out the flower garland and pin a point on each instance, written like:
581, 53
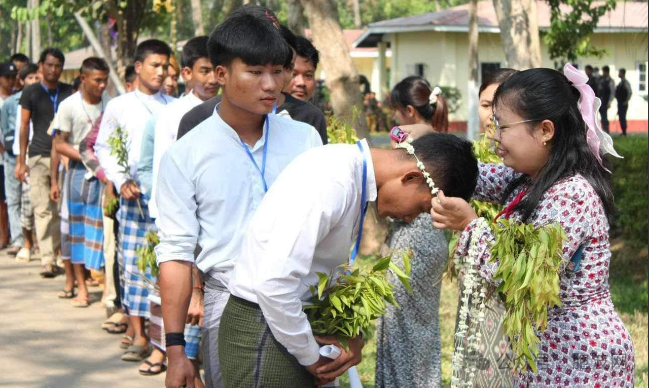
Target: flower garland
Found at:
407, 145
472, 305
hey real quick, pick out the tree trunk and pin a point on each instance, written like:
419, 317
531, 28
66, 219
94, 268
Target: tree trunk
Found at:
128, 20
296, 20
173, 29
12, 41
519, 32
103, 35
357, 14
28, 36
473, 122
50, 21
197, 18
36, 33
19, 38
230, 6
341, 75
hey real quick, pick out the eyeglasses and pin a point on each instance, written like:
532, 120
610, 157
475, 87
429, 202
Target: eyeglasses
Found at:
499, 127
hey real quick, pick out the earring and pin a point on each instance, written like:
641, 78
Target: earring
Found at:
545, 143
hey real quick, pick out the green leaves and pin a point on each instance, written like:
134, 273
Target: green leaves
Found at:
146, 254
530, 262
346, 305
339, 132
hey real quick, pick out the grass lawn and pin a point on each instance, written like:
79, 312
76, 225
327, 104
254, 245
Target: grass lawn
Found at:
628, 280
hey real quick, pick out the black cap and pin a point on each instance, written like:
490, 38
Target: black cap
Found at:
7, 69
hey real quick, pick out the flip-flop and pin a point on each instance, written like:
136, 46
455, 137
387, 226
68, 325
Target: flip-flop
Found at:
151, 365
82, 303
65, 294
135, 353
118, 328
129, 341
112, 321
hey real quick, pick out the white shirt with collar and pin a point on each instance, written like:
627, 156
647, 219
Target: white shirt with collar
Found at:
130, 111
307, 223
208, 189
166, 129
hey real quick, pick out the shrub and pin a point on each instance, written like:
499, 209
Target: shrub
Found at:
630, 188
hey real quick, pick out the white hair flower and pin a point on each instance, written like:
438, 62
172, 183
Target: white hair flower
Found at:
407, 145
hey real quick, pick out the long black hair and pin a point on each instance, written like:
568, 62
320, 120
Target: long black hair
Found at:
548, 95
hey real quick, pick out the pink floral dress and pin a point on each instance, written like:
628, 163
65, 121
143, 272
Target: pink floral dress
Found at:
585, 343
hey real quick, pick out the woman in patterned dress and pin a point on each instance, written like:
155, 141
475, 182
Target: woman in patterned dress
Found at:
553, 174
408, 350
494, 353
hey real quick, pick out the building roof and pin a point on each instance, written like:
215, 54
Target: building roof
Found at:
626, 17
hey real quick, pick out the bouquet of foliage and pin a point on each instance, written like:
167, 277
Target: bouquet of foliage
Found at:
339, 132
118, 144
347, 305
530, 261
146, 254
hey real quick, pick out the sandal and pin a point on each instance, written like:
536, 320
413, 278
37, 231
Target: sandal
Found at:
13, 251
150, 372
135, 353
125, 344
65, 294
80, 303
24, 255
49, 271
118, 328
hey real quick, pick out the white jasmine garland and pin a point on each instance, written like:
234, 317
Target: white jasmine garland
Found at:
471, 313
407, 145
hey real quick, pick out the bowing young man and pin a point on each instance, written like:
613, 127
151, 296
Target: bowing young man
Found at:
306, 224
212, 179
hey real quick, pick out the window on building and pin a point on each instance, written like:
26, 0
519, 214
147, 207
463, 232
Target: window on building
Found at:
486, 68
417, 69
642, 77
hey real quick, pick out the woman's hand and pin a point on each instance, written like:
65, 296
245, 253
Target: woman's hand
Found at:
414, 131
451, 212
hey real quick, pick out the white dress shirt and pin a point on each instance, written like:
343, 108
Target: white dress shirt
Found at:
208, 189
166, 129
130, 111
307, 223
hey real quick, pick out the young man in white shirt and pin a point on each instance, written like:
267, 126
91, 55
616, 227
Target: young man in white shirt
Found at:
76, 116
198, 73
306, 224
211, 180
131, 112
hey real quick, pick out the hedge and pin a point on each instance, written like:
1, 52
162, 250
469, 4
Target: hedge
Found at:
630, 187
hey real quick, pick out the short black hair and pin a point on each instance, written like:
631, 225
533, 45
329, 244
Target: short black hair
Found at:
149, 47
496, 76
251, 34
94, 63
54, 52
450, 161
289, 36
194, 49
606, 69
19, 57
588, 67
307, 50
129, 73
622, 70
27, 70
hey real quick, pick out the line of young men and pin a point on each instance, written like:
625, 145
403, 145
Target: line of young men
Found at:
269, 208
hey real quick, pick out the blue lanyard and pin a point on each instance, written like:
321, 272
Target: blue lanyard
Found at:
54, 98
261, 171
352, 258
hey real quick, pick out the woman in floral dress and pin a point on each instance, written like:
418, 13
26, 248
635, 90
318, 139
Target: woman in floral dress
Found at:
549, 139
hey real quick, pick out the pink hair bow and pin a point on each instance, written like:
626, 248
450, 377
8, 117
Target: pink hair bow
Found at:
589, 106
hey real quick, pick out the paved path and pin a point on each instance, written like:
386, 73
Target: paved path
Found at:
45, 342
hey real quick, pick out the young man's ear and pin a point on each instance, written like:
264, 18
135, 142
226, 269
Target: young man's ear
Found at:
221, 74
186, 73
137, 66
412, 176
